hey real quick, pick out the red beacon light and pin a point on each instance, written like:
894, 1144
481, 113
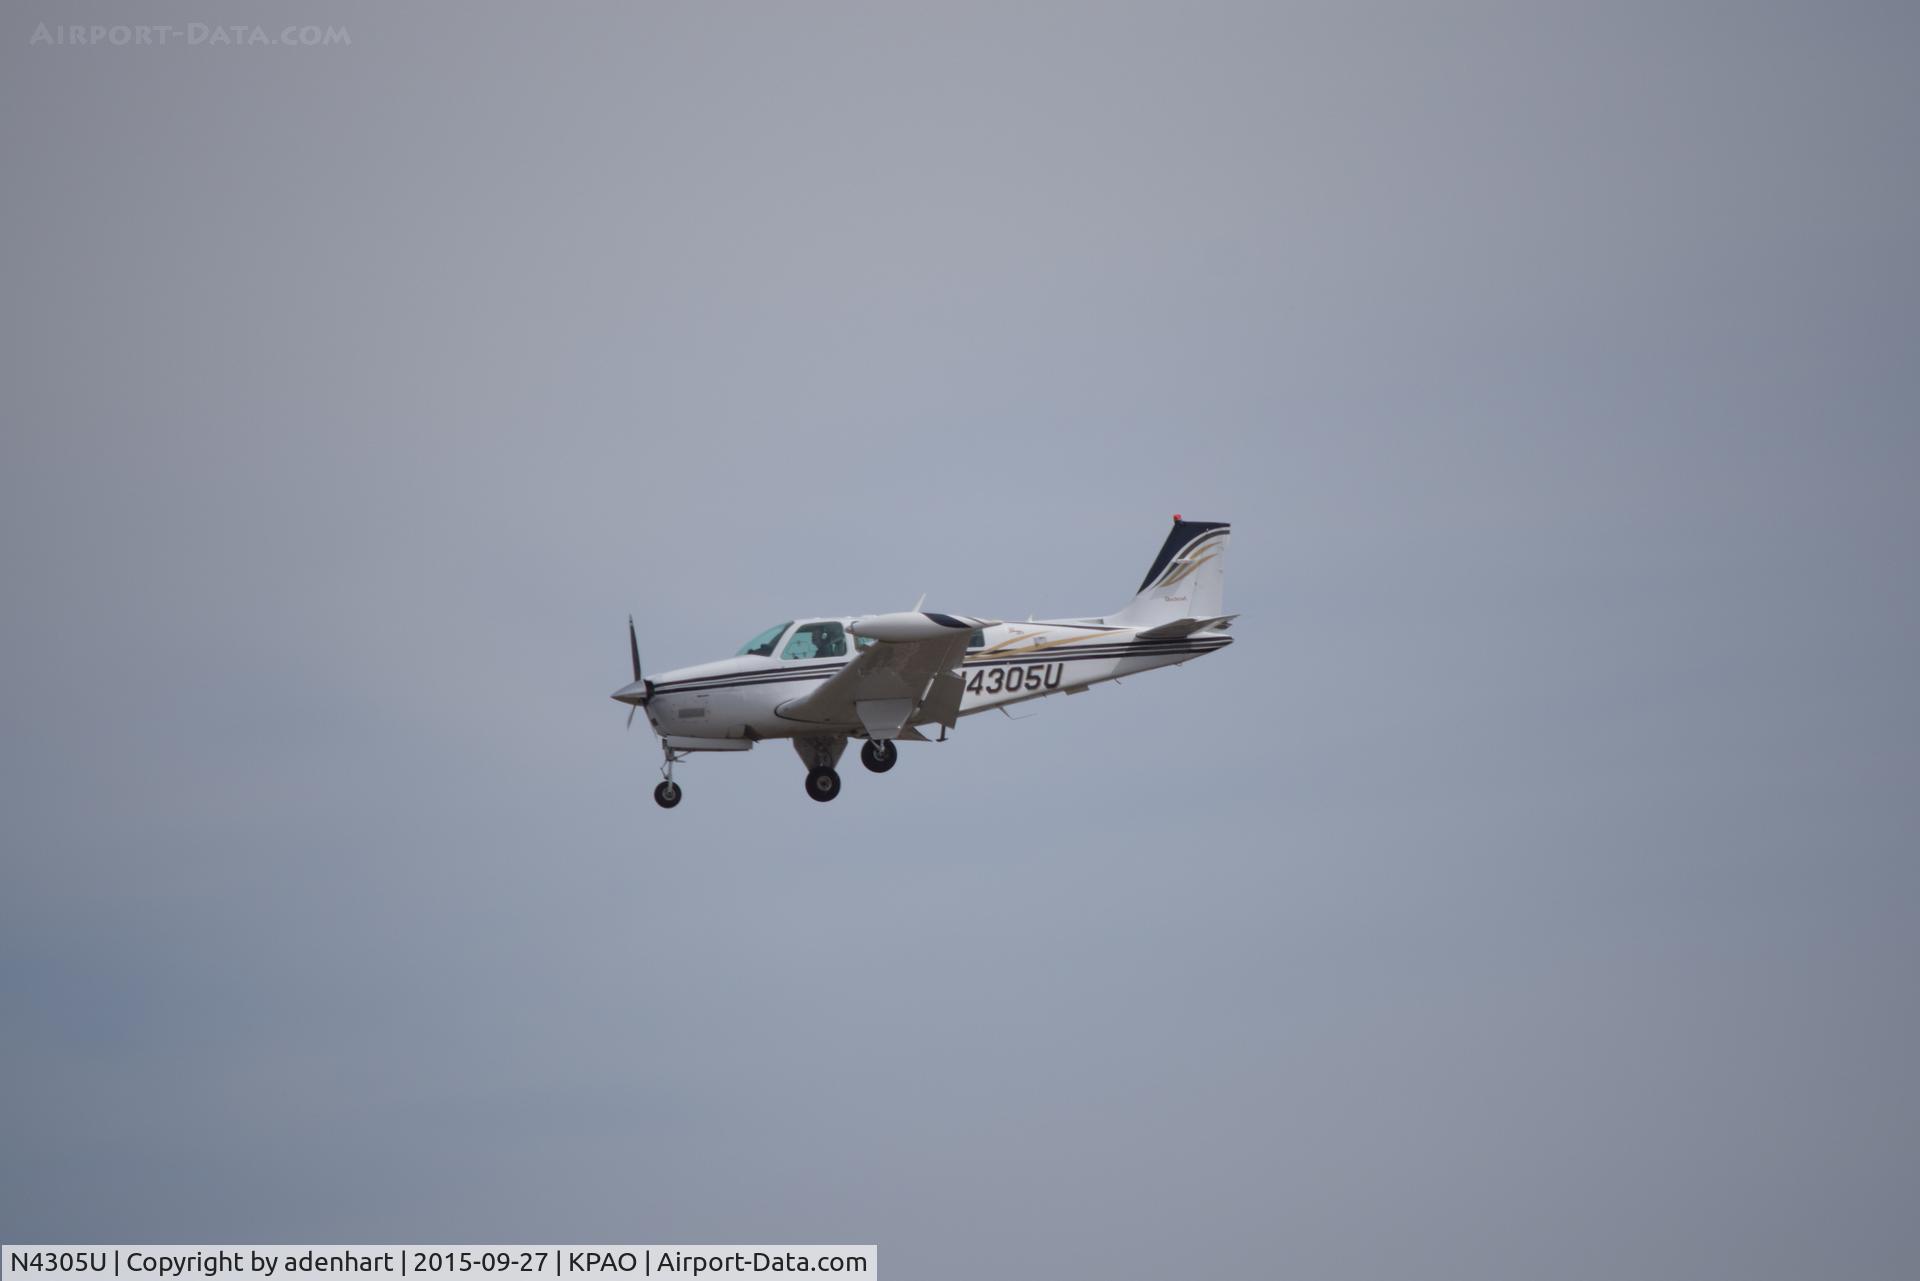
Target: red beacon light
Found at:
1176, 518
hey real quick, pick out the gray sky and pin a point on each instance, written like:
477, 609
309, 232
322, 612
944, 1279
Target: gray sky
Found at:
1530, 893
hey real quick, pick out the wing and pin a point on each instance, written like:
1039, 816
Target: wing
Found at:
906, 676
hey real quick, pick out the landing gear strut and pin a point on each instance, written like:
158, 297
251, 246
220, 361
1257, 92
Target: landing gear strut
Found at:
823, 783
879, 755
668, 794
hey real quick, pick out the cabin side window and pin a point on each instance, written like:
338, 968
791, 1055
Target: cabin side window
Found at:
817, 640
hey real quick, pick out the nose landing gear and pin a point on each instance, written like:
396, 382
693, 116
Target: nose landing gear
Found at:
823, 783
668, 793
879, 755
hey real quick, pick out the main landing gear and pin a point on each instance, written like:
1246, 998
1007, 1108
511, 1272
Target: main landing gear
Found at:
820, 754
823, 783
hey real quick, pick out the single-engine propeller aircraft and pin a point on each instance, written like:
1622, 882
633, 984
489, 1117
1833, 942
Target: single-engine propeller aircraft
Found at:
891, 677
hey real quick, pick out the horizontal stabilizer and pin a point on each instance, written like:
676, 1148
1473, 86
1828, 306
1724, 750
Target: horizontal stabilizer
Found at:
1186, 627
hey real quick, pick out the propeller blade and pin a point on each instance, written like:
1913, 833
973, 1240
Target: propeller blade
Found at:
630, 712
633, 643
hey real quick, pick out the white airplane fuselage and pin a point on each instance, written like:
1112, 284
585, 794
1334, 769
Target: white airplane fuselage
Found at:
741, 698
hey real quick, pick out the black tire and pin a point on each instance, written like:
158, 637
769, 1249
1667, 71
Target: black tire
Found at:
823, 784
879, 756
667, 795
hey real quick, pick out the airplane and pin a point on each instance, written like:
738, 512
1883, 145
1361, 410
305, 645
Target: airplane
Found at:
888, 678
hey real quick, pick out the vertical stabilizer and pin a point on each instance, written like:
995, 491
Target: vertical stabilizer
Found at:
1187, 579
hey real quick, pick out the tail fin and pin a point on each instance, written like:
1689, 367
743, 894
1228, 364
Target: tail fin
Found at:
1187, 577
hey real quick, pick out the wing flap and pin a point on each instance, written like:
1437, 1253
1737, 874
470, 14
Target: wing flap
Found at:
942, 703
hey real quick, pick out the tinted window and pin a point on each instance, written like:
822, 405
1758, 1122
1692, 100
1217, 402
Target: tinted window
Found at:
763, 643
978, 640
817, 640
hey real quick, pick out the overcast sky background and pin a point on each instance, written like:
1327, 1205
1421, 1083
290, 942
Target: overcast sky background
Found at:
1531, 892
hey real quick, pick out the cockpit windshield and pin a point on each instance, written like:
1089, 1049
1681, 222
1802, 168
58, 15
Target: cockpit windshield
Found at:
763, 644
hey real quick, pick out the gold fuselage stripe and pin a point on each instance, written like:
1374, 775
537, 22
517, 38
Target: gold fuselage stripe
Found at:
1003, 649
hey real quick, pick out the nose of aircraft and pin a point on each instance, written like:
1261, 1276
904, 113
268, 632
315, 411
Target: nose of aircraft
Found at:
634, 695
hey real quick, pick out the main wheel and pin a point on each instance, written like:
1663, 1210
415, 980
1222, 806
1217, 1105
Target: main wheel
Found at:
667, 795
879, 755
823, 784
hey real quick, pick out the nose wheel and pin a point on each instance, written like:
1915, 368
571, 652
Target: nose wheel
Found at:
879, 755
823, 783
